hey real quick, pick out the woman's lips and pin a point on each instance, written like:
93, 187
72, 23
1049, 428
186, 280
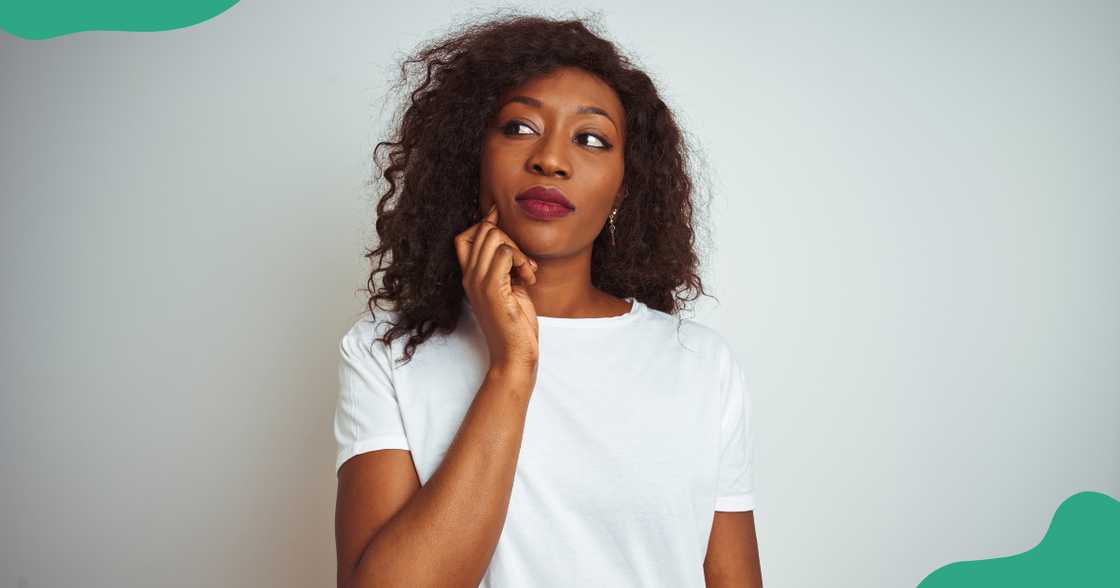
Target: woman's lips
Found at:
543, 210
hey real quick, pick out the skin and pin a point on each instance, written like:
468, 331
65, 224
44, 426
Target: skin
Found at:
732, 558
554, 145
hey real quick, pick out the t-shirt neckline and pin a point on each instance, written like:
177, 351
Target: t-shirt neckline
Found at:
598, 321
636, 310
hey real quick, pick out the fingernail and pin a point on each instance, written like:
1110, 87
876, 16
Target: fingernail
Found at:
533, 263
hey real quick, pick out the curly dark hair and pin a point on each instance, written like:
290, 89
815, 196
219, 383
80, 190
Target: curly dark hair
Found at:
433, 166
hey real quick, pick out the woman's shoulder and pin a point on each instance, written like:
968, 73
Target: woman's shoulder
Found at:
370, 331
371, 324
693, 334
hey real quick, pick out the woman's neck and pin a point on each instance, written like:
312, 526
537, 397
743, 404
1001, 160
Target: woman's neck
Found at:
564, 290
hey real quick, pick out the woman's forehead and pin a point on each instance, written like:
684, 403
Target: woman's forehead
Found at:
567, 90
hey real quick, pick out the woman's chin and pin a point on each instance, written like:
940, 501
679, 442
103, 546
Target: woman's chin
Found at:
536, 241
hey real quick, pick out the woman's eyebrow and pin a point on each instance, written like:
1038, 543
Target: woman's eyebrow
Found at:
581, 109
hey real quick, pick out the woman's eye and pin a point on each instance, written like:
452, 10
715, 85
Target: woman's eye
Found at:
511, 127
602, 142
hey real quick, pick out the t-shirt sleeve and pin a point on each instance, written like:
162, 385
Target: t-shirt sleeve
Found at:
367, 416
735, 490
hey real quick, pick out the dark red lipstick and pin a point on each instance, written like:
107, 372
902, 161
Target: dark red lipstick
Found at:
544, 203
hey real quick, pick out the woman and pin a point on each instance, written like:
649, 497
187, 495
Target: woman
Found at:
547, 421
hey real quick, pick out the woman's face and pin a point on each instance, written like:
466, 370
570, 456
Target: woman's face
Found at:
564, 130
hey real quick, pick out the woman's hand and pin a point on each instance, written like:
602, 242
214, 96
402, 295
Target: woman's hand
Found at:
488, 257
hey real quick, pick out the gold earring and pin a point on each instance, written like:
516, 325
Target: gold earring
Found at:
613, 212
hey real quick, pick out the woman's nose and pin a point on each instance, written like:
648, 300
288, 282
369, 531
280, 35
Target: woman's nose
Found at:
548, 158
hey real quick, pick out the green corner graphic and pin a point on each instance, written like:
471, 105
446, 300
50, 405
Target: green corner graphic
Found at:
1081, 548
44, 20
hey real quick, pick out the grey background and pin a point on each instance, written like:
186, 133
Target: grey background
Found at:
914, 247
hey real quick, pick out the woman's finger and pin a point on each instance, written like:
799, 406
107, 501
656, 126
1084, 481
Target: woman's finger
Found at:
526, 268
523, 264
497, 278
493, 240
463, 248
490, 221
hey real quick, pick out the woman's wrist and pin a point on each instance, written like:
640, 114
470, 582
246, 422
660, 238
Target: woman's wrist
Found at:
513, 372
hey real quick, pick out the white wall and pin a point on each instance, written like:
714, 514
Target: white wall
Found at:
916, 252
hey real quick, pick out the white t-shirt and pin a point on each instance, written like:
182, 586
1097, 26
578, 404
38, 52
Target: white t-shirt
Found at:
636, 433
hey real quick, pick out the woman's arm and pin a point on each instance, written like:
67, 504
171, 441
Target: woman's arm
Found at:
732, 558
393, 532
